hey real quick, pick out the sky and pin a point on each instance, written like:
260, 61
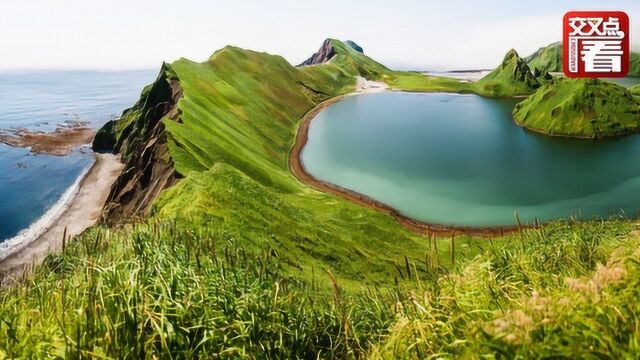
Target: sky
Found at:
409, 34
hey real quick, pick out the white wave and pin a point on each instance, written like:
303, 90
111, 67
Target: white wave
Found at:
45, 222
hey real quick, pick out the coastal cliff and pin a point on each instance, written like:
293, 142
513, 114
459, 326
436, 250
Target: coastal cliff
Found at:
139, 138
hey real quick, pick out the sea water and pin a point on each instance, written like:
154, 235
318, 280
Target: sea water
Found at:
35, 188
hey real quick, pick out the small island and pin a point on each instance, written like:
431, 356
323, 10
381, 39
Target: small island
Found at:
581, 108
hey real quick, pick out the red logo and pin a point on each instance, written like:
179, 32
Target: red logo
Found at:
596, 44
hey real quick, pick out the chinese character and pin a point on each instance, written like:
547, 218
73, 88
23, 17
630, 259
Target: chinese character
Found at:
602, 55
596, 43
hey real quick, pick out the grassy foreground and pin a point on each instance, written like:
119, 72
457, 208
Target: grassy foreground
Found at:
168, 290
240, 260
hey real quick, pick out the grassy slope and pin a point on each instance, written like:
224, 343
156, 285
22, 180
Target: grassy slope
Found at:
635, 90
548, 58
166, 290
580, 107
513, 77
634, 66
418, 82
239, 118
236, 259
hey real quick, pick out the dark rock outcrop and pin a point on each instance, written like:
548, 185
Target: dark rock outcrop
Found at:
105, 139
142, 144
325, 54
355, 46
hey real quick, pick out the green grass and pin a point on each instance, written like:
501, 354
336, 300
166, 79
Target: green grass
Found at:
511, 78
634, 65
171, 289
548, 58
239, 116
418, 82
165, 290
580, 107
310, 230
241, 260
635, 90
562, 292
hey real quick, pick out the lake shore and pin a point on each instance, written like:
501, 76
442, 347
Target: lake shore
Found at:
82, 212
298, 170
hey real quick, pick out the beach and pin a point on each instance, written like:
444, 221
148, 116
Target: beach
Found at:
83, 211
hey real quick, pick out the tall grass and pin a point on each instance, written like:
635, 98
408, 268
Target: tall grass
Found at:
163, 290
160, 290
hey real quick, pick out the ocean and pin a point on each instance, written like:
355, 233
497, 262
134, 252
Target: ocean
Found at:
34, 188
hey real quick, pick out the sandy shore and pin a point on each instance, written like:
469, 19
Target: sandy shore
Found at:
298, 170
83, 212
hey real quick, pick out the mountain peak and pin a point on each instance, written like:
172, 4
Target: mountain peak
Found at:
324, 55
329, 49
510, 55
512, 77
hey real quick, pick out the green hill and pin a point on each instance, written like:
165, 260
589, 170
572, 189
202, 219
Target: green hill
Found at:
220, 252
580, 108
634, 66
513, 77
548, 58
227, 137
635, 90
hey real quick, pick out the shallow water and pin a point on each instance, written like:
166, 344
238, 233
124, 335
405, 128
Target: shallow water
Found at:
460, 160
42, 100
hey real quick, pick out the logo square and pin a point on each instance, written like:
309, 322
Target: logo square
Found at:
595, 44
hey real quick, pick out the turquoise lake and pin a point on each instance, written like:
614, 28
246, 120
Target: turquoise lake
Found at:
460, 160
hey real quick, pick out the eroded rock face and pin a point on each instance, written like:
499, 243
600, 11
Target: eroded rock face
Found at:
142, 144
325, 54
